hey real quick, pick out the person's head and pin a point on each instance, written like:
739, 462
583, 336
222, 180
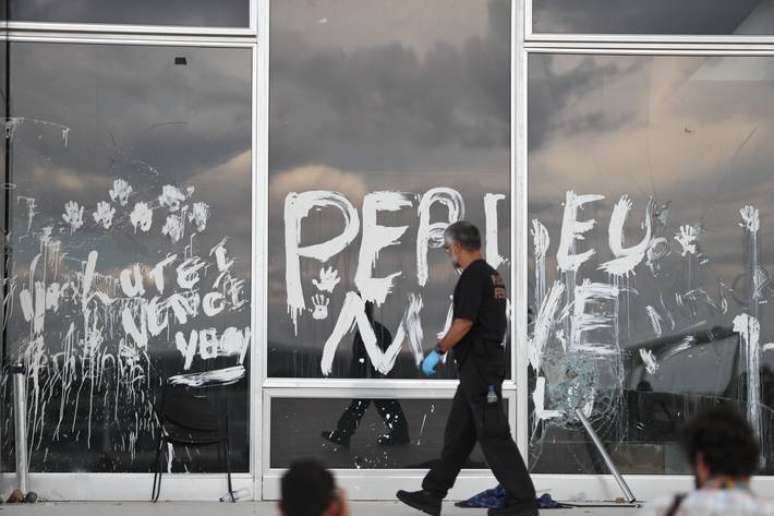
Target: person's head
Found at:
720, 443
462, 242
308, 489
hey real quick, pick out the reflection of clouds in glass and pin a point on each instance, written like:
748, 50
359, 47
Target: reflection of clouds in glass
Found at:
233, 13
653, 17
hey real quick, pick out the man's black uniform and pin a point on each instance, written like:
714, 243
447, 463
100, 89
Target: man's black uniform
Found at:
480, 297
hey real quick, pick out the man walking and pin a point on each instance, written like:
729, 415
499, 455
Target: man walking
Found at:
475, 339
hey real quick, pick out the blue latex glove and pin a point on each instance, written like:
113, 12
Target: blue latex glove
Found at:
430, 363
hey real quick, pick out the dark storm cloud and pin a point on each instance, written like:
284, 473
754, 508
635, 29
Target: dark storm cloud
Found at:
384, 106
226, 13
134, 103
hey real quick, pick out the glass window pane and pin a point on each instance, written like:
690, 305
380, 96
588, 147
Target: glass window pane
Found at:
192, 13
383, 434
131, 245
694, 17
649, 200
380, 111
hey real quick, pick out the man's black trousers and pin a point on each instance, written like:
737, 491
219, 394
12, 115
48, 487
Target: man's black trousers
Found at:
473, 419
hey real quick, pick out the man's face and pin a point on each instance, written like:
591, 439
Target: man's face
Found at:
452, 249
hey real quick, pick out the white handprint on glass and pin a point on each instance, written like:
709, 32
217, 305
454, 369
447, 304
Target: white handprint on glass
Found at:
329, 278
320, 302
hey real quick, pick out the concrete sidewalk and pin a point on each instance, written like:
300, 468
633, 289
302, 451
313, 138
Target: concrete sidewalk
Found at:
258, 509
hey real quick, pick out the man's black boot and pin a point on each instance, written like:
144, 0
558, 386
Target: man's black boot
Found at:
424, 501
516, 508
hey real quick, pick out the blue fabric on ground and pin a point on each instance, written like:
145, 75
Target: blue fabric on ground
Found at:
496, 498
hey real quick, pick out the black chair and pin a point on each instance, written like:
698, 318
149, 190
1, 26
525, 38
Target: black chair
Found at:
190, 417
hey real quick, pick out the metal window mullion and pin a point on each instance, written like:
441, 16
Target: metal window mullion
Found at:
111, 28
124, 39
519, 239
261, 425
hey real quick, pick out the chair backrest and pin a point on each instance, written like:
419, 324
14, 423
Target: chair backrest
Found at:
190, 408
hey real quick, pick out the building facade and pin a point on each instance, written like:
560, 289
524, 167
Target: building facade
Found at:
204, 194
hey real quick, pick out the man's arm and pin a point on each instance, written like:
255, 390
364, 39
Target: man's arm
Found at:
459, 328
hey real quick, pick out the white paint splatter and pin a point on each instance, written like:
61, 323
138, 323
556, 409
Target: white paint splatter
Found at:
174, 228
626, 258
375, 238
655, 320
104, 214
141, 217
751, 220
225, 376
73, 215
574, 229
687, 238
431, 235
651, 365
297, 207
493, 256
171, 197
120, 192
200, 212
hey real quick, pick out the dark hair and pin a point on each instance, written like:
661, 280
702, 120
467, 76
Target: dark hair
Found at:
307, 489
465, 234
725, 440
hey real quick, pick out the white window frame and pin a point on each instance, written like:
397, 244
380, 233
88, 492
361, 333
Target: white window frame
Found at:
114, 28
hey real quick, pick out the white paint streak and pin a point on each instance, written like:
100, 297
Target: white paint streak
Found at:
375, 238
544, 323
493, 256
297, 208
574, 229
430, 235
626, 258
749, 330
651, 365
225, 376
655, 320
541, 242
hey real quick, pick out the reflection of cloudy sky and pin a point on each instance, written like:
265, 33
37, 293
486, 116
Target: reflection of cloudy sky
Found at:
690, 131
225, 13
370, 96
654, 16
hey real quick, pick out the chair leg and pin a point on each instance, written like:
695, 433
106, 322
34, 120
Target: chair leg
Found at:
227, 450
160, 454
